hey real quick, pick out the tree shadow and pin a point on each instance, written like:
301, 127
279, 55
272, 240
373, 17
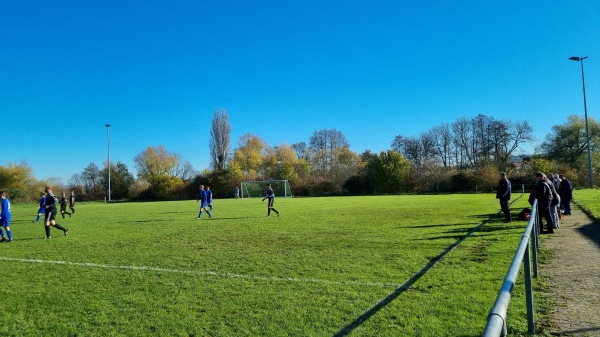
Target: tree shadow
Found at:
591, 231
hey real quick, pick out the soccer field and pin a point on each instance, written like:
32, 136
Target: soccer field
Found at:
356, 266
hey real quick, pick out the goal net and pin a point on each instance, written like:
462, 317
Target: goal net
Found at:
258, 189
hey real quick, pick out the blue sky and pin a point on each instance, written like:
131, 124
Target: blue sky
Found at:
157, 70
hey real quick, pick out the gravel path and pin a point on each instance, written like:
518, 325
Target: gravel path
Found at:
574, 275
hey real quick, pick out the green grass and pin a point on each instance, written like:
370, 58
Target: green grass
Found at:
589, 200
133, 269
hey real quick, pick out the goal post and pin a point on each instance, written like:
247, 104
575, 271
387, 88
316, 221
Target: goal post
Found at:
257, 188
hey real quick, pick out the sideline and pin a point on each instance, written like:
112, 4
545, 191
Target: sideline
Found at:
205, 273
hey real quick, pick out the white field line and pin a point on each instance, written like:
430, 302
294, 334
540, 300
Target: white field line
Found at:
205, 273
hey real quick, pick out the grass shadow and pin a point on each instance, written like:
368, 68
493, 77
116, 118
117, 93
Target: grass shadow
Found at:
591, 231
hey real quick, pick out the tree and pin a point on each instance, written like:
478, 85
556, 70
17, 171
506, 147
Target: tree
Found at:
91, 179
155, 161
18, 182
120, 180
248, 156
568, 143
220, 142
389, 172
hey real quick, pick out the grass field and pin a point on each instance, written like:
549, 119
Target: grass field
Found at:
326, 266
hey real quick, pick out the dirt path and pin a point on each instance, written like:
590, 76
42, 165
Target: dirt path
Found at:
574, 275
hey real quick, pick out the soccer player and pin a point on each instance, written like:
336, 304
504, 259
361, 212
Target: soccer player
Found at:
50, 216
271, 196
5, 219
41, 208
203, 198
208, 197
63, 205
72, 202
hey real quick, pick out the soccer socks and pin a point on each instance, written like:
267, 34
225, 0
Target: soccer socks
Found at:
2, 233
209, 215
274, 210
199, 214
57, 226
37, 218
47, 231
9, 234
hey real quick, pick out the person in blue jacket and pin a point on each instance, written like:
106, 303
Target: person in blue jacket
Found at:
5, 219
203, 197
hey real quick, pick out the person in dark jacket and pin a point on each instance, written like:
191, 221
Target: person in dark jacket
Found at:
565, 190
503, 194
271, 196
543, 194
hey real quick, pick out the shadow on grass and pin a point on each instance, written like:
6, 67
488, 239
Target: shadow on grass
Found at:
591, 231
392, 296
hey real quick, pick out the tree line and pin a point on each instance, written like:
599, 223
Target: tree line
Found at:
465, 155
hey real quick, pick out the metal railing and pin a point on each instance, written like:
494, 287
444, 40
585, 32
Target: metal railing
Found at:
496, 321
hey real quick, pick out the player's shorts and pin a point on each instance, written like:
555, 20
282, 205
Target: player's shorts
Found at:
5, 221
63, 207
203, 205
50, 214
42, 210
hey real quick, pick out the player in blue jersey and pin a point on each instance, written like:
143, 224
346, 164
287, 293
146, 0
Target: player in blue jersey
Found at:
41, 208
50, 216
209, 198
203, 199
271, 196
5, 219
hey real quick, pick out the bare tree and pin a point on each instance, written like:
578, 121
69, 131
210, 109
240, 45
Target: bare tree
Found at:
220, 139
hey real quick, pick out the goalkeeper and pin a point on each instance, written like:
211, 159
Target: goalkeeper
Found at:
271, 196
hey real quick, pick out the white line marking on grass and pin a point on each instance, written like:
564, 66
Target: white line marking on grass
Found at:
207, 273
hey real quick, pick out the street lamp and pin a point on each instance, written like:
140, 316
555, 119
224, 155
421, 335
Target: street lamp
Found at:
108, 137
587, 130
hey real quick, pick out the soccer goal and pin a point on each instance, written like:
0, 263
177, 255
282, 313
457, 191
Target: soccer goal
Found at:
257, 189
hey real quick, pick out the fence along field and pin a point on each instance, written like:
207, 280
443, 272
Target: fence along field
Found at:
151, 268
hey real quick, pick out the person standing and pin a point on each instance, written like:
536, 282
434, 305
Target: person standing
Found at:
72, 202
209, 199
50, 216
503, 194
203, 198
41, 208
63, 205
555, 206
565, 190
5, 219
271, 196
237, 192
543, 194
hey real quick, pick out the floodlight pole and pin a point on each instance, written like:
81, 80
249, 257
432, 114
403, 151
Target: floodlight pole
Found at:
108, 138
587, 130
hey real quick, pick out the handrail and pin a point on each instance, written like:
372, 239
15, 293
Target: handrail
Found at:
496, 322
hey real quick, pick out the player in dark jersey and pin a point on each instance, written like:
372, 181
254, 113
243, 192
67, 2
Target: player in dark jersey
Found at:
50, 216
63, 205
271, 196
72, 202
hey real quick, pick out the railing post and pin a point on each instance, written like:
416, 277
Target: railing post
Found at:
529, 290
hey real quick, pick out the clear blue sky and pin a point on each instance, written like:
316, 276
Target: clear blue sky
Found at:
157, 70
